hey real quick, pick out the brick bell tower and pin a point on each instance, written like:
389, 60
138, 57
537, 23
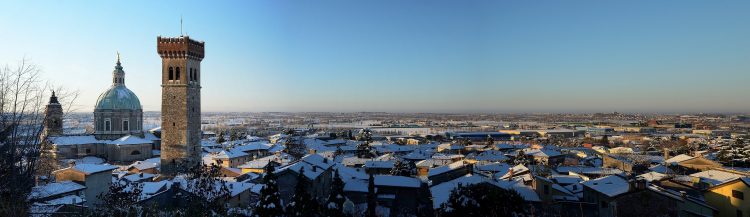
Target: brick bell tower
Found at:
180, 102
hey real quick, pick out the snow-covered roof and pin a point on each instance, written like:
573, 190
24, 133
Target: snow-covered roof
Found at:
253, 146
492, 167
715, 177
589, 170
150, 136
354, 160
317, 160
678, 158
526, 192
416, 155
397, 181
542, 152
379, 164
661, 169
355, 185
441, 192
69, 199
511, 172
89, 169
76, 140
348, 173
137, 177
609, 185
54, 188
491, 155
130, 140
652, 176
446, 168
142, 165
228, 154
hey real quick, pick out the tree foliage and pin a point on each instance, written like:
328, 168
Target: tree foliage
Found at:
372, 202
22, 100
270, 200
302, 204
334, 206
482, 200
120, 200
404, 168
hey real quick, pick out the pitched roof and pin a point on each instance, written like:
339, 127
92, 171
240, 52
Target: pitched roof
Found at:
678, 158
76, 140
130, 140
397, 181
609, 185
715, 177
54, 188
89, 169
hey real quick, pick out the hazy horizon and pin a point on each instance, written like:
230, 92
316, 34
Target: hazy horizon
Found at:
403, 56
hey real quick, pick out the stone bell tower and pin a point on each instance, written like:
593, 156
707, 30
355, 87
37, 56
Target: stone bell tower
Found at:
180, 102
53, 115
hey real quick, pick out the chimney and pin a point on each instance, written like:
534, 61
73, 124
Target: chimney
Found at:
666, 154
315, 169
72, 163
511, 173
683, 194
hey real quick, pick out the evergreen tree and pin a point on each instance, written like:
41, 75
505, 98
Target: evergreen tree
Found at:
482, 200
302, 203
490, 140
270, 200
371, 197
521, 159
220, 139
402, 168
295, 147
605, 140
205, 190
364, 151
120, 200
334, 206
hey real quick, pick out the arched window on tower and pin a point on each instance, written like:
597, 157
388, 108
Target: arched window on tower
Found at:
177, 74
171, 73
135, 152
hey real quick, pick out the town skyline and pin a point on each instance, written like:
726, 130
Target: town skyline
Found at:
443, 57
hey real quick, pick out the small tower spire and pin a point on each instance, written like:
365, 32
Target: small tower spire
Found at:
53, 99
118, 75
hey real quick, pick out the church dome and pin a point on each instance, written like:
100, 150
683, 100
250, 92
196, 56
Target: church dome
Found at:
118, 97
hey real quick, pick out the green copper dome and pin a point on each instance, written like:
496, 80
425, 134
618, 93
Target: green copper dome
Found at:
118, 97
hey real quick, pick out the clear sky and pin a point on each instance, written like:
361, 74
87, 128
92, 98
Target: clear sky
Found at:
403, 56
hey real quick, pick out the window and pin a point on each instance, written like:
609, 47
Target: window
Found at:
107, 125
177, 74
88, 151
738, 194
125, 125
546, 189
603, 204
171, 74
739, 213
135, 152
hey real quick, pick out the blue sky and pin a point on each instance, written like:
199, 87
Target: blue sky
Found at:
403, 56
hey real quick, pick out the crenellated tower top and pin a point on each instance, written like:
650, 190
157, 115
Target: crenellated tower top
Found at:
180, 48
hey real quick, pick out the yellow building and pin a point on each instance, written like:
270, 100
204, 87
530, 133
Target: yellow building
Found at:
729, 198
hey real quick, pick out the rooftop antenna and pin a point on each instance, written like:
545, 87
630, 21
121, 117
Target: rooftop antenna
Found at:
181, 25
